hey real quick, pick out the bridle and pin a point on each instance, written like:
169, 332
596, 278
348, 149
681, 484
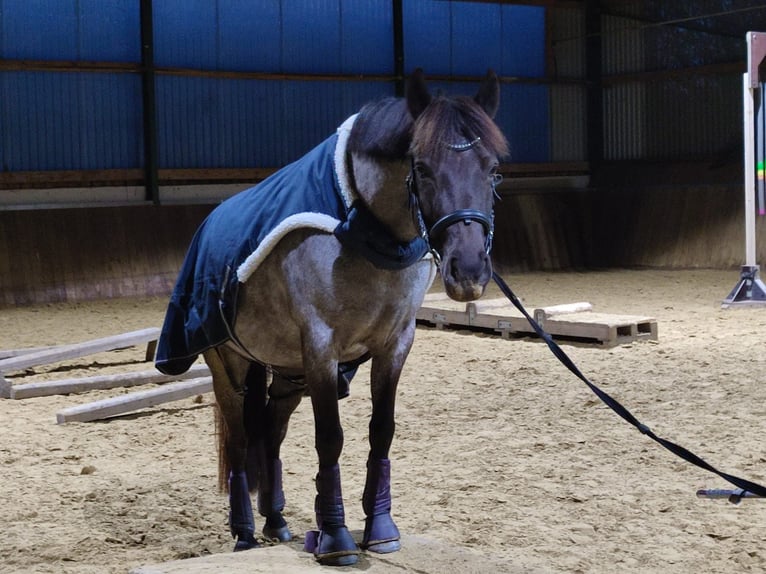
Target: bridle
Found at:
467, 216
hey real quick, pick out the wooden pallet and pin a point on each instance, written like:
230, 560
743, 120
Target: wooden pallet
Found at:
572, 321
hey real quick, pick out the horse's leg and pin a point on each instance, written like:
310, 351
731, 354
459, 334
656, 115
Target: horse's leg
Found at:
233, 379
380, 532
334, 545
284, 398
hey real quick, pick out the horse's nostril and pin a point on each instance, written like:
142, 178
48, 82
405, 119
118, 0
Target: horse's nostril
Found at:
455, 271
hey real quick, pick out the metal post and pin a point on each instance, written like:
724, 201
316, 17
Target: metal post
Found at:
749, 135
595, 111
151, 154
750, 290
398, 17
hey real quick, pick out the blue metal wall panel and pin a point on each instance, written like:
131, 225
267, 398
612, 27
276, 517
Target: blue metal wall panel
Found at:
39, 30
524, 119
110, 31
427, 29
523, 45
310, 119
185, 106
185, 34
54, 121
39, 134
477, 38
466, 38
89, 121
367, 31
250, 35
306, 36
311, 36
110, 120
209, 122
70, 30
310, 111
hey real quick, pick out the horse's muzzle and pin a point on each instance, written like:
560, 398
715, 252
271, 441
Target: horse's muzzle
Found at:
466, 278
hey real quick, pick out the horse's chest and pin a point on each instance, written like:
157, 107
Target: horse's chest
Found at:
352, 309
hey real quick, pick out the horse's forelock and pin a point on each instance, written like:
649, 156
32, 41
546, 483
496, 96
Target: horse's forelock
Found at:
455, 120
385, 128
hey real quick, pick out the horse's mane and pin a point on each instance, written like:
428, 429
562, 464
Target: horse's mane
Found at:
385, 129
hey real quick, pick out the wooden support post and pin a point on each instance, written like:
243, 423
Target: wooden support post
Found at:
134, 401
398, 18
593, 73
149, 100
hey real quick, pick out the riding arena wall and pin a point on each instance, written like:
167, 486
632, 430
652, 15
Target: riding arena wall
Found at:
89, 253
110, 157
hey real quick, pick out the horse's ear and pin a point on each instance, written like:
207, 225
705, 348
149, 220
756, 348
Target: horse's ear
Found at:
418, 97
488, 96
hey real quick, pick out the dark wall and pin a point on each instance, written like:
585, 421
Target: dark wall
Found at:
77, 254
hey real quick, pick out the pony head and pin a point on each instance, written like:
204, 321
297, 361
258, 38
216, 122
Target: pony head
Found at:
455, 151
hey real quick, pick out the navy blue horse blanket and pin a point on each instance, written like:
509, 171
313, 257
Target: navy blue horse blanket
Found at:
233, 240
314, 192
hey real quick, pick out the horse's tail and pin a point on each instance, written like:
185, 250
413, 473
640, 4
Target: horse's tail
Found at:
222, 434
253, 419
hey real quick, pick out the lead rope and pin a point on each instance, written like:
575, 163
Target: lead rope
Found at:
748, 489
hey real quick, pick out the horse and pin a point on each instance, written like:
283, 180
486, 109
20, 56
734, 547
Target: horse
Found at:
297, 309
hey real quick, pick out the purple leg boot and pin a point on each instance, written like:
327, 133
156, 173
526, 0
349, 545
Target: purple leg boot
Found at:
380, 533
271, 502
333, 544
241, 512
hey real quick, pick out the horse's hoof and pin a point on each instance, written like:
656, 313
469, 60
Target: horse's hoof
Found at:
279, 533
384, 547
381, 534
343, 560
333, 547
246, 542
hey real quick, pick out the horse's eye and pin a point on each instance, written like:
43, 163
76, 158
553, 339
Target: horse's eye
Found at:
424, 173
422, 169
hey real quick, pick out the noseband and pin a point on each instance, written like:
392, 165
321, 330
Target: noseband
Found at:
467, 216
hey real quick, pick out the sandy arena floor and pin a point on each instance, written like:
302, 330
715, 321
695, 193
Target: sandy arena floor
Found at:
498, 449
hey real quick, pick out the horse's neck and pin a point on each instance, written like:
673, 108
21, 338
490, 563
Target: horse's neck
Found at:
381, 184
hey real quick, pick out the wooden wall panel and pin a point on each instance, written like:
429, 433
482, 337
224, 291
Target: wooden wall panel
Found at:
79, 254
542, 230
679, 227
688, 227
